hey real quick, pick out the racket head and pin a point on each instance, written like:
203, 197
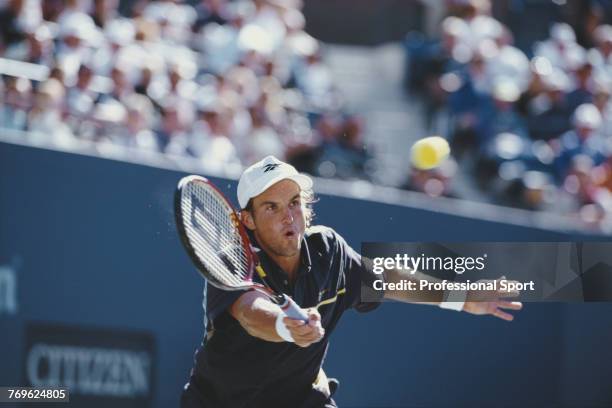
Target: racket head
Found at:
213, 235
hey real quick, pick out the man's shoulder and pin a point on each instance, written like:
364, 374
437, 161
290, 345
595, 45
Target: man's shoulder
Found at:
322, 237
320, 232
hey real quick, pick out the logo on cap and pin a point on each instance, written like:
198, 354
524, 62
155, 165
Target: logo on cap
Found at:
270, 167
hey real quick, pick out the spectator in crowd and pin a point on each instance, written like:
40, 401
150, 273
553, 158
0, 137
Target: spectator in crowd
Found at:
208, 140
601, 54
45, 119
601, 99
136, 131
503, 133
549, 112
174, 19
37, 49
12, 30
117, 48
262, 138
325, 131
584, 86
210, 12
77, 35
505, 117
51, 9
314, 79
560, 48
172, 128
104, 12
599, 188
342, 153
429, 61
219, 42
469, 101
584, 140
436, 182
15, 103
80, 104
80, 98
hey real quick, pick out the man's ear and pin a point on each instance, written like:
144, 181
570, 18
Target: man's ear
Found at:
247, 219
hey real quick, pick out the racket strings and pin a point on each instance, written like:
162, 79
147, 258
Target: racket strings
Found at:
213, 234
217, 258
223, 256
218, 261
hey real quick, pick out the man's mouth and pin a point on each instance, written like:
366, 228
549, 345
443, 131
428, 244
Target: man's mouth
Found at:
290, 234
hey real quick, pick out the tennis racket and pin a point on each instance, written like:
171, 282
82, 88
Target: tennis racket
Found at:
218, 244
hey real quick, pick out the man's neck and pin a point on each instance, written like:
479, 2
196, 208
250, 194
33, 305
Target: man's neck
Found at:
289, 265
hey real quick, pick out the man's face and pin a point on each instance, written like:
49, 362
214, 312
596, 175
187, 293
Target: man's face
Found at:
277, 219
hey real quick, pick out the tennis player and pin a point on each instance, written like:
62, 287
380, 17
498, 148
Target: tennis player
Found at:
253, 356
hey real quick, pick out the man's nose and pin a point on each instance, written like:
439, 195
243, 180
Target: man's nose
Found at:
287, 216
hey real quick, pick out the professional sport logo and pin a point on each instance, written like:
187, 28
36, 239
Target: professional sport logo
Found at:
270, 167
541, 271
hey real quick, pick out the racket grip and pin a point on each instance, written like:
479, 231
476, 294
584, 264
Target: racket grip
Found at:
292, 310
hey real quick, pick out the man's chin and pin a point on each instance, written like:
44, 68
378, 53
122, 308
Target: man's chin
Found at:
292, 250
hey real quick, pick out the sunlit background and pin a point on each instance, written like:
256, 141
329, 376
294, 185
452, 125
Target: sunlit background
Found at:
340, 89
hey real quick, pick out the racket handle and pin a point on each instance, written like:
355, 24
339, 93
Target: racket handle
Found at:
292, 309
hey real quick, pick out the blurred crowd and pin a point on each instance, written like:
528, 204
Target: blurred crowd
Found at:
535, 125
229, 82
225, 82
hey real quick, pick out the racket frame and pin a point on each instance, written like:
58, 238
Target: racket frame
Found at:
252, 260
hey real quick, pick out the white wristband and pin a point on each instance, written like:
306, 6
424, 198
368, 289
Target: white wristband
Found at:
281, 328
455, 300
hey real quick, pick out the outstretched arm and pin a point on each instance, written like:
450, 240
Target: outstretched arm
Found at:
476, 302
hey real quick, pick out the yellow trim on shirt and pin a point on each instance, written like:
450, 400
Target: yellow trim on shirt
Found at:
260, 271
331, 300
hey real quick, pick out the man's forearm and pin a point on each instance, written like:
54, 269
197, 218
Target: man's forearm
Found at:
257, 315
415, 294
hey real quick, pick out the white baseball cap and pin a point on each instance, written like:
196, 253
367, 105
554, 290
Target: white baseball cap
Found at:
262, 175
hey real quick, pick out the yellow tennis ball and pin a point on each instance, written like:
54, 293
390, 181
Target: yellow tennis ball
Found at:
429, 152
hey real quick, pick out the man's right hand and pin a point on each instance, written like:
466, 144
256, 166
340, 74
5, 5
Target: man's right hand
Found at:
306, 333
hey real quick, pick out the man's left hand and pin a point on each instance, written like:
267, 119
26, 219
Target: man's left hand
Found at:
492, 302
